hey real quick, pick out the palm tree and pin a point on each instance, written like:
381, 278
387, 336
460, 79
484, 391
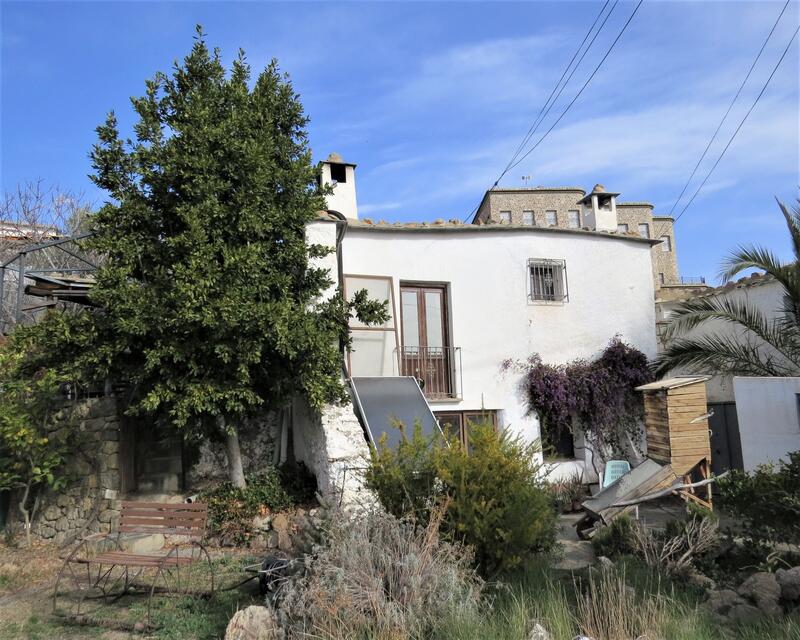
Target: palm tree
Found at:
759, 345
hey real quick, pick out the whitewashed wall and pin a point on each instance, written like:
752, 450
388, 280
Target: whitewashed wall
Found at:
610, 292
769, 422
765, 296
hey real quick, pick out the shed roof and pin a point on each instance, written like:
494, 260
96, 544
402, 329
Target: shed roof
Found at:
673, 383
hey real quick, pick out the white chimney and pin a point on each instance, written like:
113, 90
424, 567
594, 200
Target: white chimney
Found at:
599, 209
342, 176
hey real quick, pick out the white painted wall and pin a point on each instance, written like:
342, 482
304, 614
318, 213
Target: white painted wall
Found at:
343, 198
767, 296
323, 232
769, 422
610, 292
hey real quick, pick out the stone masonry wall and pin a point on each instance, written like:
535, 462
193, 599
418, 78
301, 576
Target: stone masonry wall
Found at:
89, 503
538, 201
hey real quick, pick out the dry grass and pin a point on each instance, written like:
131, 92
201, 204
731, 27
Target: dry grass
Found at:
379, 577
610, 609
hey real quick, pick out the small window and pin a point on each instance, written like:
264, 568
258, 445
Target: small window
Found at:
644, 230
339, 172
527, 218
661, 278
548, 280
505, 217
666, 244
551, 218
574, 217
622, 228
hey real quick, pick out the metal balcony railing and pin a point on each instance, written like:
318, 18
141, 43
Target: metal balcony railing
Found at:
437, 369
692, 280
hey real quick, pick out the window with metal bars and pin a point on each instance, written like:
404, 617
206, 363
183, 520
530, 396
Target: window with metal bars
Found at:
548, 280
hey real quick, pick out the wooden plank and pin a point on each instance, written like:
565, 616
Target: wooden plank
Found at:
166, 506
155, 513
194, 532
175, 524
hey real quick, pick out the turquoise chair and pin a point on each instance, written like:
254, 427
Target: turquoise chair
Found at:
615, 469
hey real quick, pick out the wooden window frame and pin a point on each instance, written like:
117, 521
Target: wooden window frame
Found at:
464, 417
351, 327
422, 323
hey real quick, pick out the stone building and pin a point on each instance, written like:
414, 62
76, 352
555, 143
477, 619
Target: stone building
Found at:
573, 208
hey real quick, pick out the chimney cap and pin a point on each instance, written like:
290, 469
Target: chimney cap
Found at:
598, 190
335, 158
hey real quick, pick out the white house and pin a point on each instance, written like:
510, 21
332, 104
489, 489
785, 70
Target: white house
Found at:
464, 298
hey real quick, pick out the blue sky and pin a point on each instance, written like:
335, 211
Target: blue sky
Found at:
431, 99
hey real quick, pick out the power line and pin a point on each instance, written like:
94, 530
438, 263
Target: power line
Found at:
744, 119
572, 102
585, 84
730, 107
542, 113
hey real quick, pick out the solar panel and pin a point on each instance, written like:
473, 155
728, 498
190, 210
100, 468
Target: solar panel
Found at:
384, 401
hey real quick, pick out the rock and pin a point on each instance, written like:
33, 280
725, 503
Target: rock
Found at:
253, 623
763, 589
605, 563
262, 523
259, 543
52, 513
280, 524
745, 614
789, 581
272, 540
538, 632
577, 555
721, 601
697, 579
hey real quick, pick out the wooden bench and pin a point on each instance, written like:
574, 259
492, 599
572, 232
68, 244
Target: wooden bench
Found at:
98, 574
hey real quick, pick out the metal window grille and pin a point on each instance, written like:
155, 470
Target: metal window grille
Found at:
548, 280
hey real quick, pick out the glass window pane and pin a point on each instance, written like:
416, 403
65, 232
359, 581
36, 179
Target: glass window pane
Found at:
665, 243
372, 353
408, 301
505, 217
527, 218
550, 218
433, 319
574, 219
377, 289
622, 227
644, 230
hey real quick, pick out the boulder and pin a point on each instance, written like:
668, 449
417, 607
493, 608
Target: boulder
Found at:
789, 581
721, 601
744, 614
254, 623
763, 589
605, 563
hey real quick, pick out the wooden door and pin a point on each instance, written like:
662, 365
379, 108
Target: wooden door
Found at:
425, 351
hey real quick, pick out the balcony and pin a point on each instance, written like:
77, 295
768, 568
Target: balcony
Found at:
689, 280
437, 369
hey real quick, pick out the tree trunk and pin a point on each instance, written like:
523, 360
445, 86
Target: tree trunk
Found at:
26, 514
235, 469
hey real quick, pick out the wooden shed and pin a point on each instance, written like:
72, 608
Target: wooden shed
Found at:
676, 427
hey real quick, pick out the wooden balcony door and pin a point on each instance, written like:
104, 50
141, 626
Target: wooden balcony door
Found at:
425, 352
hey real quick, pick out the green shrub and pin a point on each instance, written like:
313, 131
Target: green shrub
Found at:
231, 509
616, 539
497, 502
767, 501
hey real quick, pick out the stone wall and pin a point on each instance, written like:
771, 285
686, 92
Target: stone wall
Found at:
533, 199
333, 447
89, 503
259, 440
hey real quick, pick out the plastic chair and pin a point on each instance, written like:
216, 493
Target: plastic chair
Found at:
615, 469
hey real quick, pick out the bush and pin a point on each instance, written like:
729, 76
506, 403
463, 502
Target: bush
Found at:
380, 577
231, 509
497, 502
767, 501
616, 539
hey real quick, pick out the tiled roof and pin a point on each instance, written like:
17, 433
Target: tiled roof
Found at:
456, 226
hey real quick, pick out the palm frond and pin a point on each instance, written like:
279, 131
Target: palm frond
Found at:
751, 257
792, 217
717, 354
782, 337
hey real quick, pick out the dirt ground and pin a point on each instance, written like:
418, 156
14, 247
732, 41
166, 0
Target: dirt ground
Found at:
27, 576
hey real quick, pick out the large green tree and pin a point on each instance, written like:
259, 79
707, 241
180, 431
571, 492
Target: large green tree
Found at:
759, 343
211, 308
